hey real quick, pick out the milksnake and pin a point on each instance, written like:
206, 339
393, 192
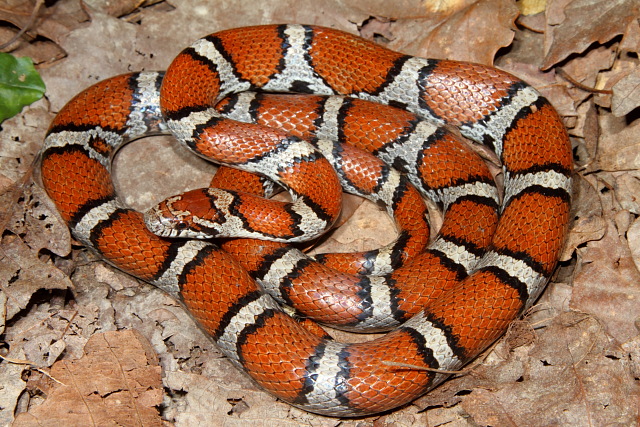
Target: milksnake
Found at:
301, 367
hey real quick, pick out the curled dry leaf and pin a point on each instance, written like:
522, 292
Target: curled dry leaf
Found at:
584, 71
12, 387
587, 131
571, 27
631, 39
463, 35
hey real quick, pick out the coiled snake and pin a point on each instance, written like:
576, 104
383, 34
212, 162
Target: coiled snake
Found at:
487, 281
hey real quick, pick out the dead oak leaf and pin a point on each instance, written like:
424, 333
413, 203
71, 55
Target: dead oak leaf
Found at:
573, 365
571, 27
631, 39
464, 35
22, 274
117, 382
606, 285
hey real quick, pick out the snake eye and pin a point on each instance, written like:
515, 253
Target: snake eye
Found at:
181, 226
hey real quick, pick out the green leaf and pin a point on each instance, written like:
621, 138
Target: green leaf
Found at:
20, 85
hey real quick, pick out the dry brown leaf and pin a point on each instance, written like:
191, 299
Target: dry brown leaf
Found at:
10, 390
369, 227
573, 25
632, 347
631, 40
3, 311
13, 374
544, 381
585, 70
534, 23
169, 170
633, 237
116, 382
29, 225
49, 26
588, 131
402, 9
619, 147
464, 35
627, 187
207, 397
110, 45
20, 141
573, 365
39, 224
588, 223
22, 274
626, 94
607, 283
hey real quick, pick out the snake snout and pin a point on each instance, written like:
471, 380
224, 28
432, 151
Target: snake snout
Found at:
161, 225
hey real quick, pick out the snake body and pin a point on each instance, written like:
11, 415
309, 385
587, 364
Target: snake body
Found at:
376, 290
301, 367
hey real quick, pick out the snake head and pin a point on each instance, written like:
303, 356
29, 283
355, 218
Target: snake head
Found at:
189, 215
163, 225
213, 212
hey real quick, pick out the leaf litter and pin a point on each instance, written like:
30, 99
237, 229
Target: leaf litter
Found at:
100, 347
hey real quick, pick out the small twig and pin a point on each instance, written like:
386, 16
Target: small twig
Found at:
32, 19
18, 361
475, 363
31, 365
75, 313
424, 368
579, 85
